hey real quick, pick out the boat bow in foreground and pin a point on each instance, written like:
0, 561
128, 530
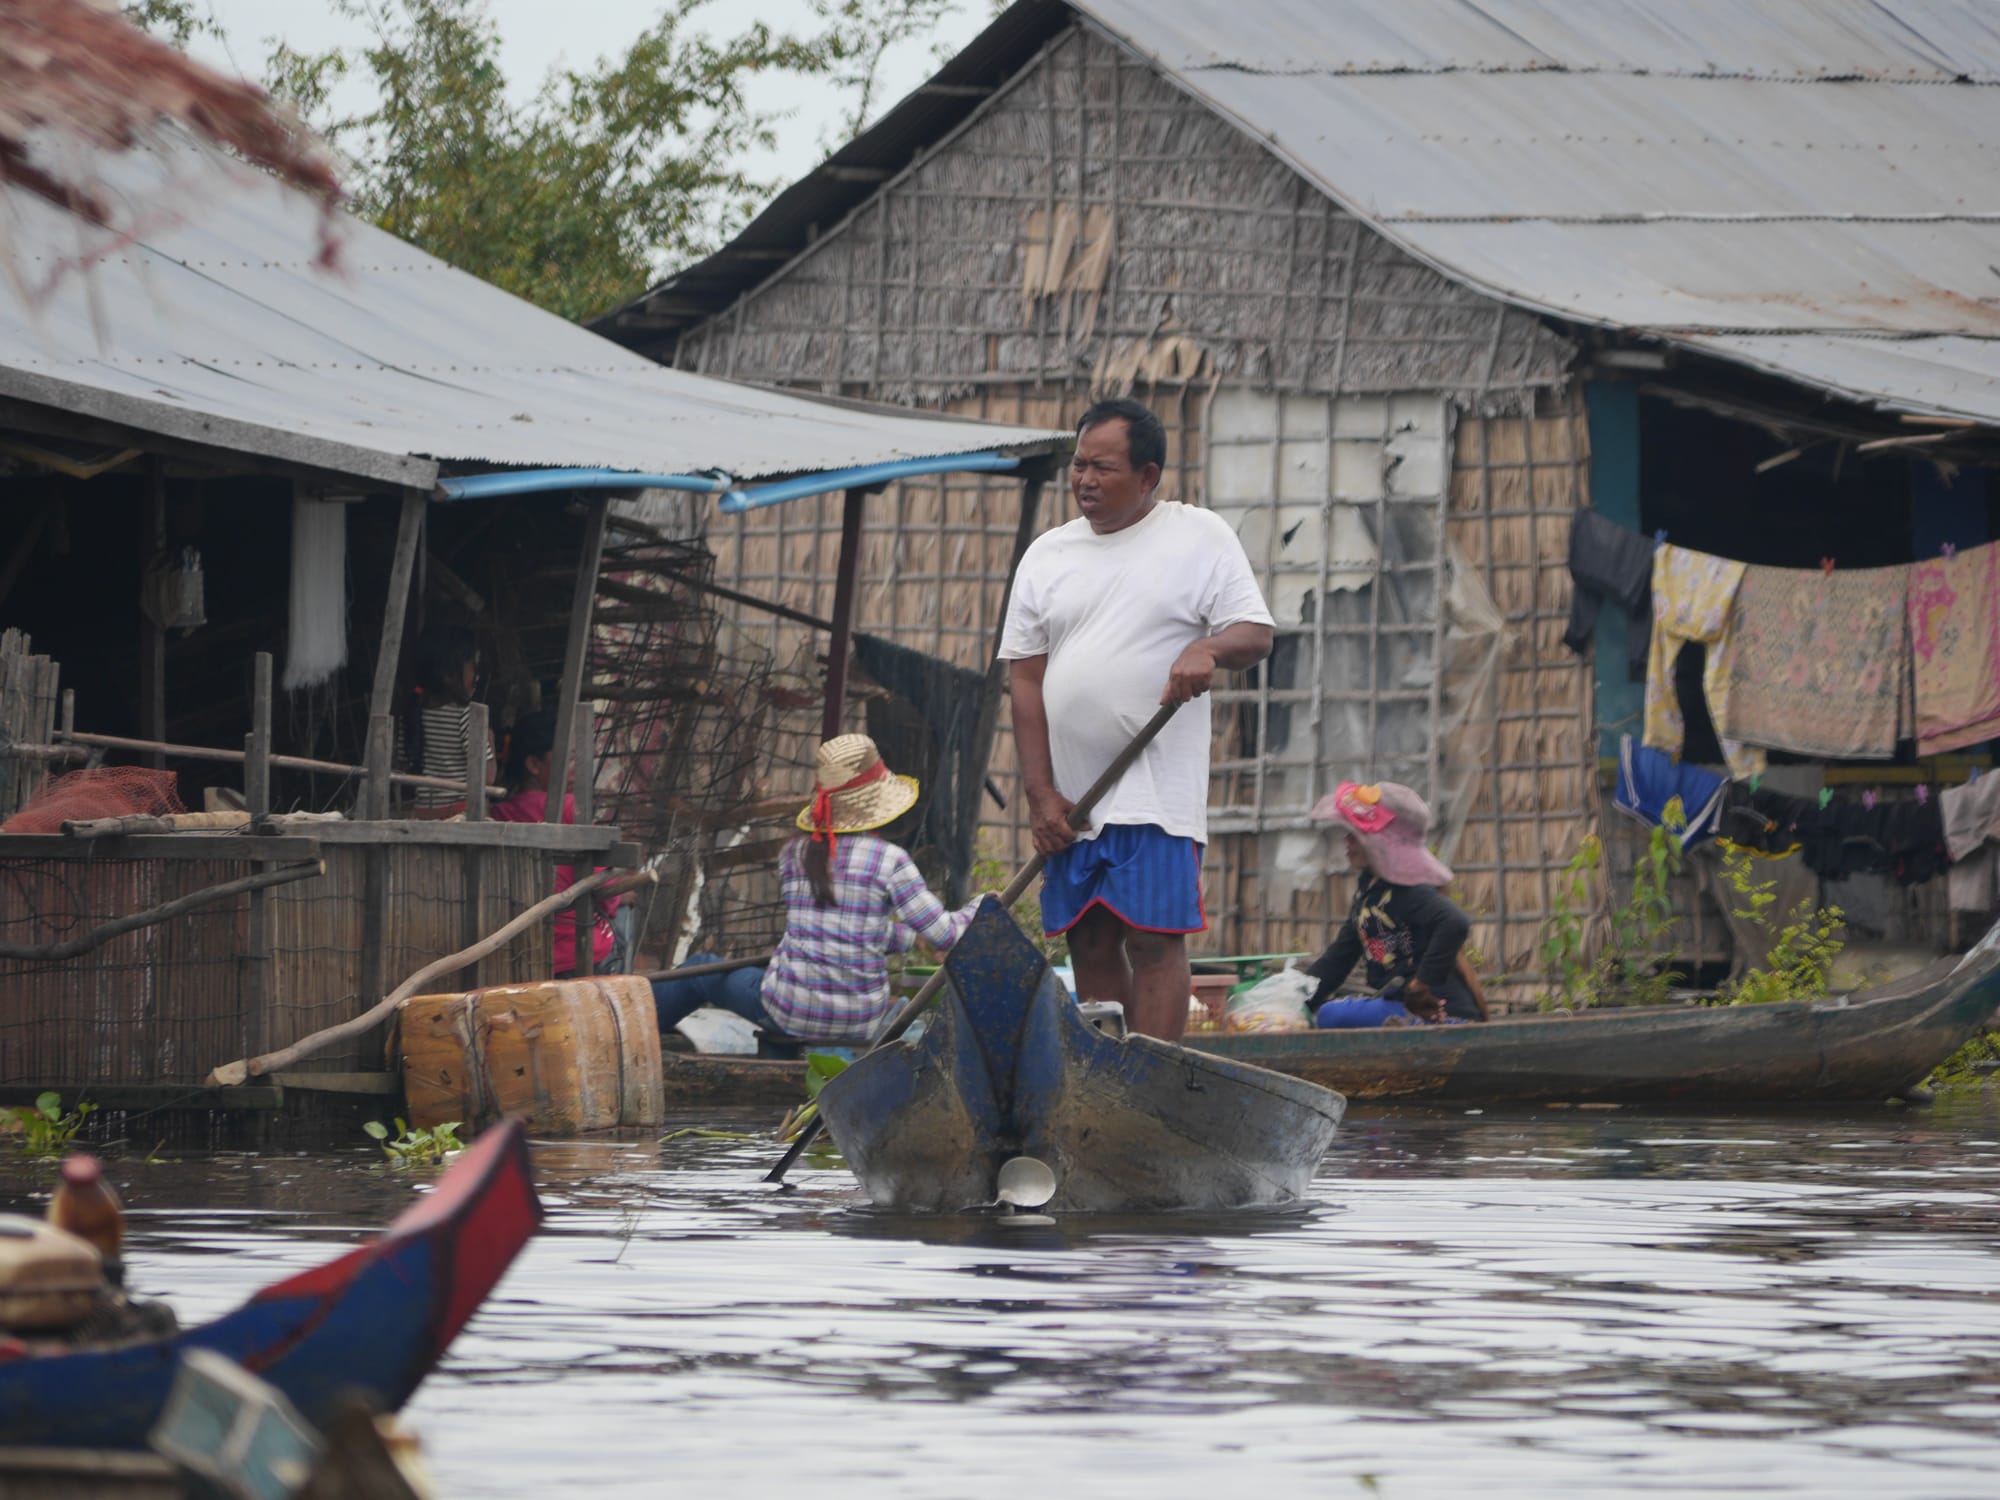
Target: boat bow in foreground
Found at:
370, 1324
1008, 1067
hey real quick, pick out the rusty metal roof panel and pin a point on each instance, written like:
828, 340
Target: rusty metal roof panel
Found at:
221, 331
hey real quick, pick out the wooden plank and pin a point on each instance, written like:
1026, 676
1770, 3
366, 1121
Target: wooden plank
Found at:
586, 814
149, 1096
564, 839
381, 697
478, 735
576, 650
257, 744
842, 643
381, 749
152, 635
339, 1083
159, 846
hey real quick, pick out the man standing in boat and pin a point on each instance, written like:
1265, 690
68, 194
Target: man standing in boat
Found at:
1137, 603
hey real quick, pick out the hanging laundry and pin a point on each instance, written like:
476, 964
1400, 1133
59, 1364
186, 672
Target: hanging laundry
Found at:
1903, 840
1954, 609
1648, 779
1609, 562
1972, 836
1694, 596
1821, 664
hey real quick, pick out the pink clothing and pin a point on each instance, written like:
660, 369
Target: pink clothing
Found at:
532, 807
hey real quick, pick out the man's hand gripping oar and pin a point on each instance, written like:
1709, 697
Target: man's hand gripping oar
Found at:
1079, 817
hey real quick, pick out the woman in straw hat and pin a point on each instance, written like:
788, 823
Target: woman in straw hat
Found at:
851, 899
1407, 929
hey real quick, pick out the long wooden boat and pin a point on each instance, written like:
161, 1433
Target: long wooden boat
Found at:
1873, 1045
1876, 1044
1008, 1067
371, 1323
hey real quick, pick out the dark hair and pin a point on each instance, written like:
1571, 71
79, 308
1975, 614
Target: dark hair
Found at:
442, 653
819, 869
1145, 438
533, 734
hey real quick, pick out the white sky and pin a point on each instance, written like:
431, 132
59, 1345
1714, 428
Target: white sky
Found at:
537, 35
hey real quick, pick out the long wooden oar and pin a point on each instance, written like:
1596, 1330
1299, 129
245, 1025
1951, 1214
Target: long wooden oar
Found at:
1079, 816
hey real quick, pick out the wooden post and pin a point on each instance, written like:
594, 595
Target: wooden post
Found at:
259, 986
841, 642
575, 653
257, 743
974, 787
381, 699
586, 813
153, 635
477, 737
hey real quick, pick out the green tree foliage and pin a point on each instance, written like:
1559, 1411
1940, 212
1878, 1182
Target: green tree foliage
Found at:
578, 198
176, 20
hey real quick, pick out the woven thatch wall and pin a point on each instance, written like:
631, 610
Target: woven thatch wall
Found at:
1516, 480
1095, 231
1076, 226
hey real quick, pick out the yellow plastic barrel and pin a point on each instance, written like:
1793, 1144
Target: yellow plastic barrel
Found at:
568, 1055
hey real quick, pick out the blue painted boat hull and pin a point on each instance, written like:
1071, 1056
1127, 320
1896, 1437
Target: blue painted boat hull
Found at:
371, 1323
1008, 1067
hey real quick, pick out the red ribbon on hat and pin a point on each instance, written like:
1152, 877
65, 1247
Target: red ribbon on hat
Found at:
822, 809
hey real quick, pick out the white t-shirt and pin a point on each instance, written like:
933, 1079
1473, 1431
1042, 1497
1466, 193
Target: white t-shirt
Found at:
1112, 613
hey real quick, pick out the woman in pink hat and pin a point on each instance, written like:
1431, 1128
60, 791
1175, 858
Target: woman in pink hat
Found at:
1409, 932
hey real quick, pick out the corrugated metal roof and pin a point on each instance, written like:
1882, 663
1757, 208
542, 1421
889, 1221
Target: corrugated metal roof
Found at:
1770, 181
220, 331
1923, 40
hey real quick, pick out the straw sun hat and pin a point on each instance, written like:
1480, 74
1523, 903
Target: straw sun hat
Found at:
1390, 821
853, 790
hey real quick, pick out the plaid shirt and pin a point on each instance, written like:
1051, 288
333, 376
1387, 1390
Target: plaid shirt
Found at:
829, 979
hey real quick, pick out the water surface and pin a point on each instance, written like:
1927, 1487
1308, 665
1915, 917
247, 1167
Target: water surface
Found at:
1520, 1302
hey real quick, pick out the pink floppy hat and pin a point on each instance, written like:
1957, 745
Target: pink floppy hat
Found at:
1390, 821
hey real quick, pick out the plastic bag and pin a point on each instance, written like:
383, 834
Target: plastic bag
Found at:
1275, 1003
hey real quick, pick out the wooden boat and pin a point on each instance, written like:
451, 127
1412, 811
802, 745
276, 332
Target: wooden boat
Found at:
1872, 1045
1876, 1044
371, 1323
1008, 1067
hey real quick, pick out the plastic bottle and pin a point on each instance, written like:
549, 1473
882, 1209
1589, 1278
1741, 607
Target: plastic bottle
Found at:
86, 1206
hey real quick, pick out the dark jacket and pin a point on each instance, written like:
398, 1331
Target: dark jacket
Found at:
1405, 932
1614, 564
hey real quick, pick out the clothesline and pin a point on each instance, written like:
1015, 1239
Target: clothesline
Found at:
1833, 663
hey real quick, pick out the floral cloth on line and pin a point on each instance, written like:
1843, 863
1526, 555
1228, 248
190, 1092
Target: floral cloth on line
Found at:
1821, 664
1694, 596
1954, 611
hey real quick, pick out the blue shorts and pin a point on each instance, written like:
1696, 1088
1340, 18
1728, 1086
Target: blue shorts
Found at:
1144, 876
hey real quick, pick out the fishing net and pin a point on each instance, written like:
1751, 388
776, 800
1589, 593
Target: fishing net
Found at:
103, 792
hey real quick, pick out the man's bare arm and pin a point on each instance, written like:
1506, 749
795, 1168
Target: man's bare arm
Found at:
1229, 649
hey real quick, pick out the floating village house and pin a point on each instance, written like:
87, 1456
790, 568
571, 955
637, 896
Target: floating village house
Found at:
1411, 283
236, 486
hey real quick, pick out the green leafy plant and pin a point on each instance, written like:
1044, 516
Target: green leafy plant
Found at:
991, 873
45, 1129
820, 1067
1566, 932
1971, 1069
1802, 956
420, 1147
1627, 970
